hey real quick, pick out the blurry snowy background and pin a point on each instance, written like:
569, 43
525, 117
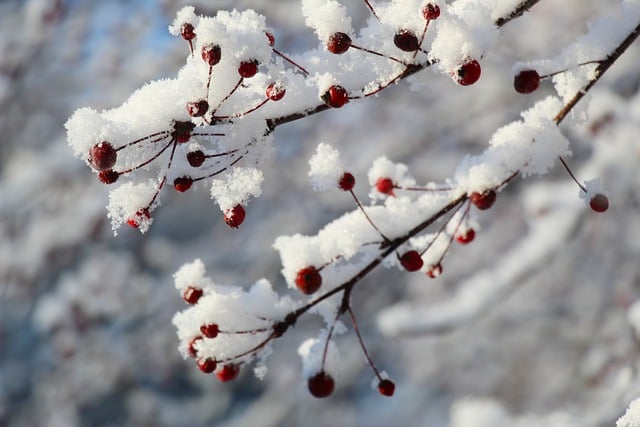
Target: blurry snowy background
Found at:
533, 324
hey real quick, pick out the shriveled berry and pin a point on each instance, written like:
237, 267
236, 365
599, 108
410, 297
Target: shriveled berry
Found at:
411, 261
270, 38
197, 108
187, 31
140, 215
275, 91
483, 201
468, 73
196, 158
347, 181
599, 203
336, 96
192, 295
467, 236
183, 183
526, 81
235, 216
193, 352
434, 271
248, 69
321, 385
431, 11
406, 40
338, 43
102, 156
210, 330
228, 372
308, 280
207, 365
182, 131
211, 54
386, 387
385, 186
108, 176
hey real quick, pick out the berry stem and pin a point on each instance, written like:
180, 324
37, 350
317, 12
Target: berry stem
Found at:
385, 238
290, 61
233, 116
163, 134
354, 322
382, 55
154, 157
213, 112
373, 12
564, 163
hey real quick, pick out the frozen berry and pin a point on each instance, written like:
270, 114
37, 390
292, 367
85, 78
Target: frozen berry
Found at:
210, 330
308, 280
211, 54
599, 203
193, 352
347, 181
228, 372
431, 11
197, 108
406, 40
386, 387
338, 43
195, 158
483, 201
526, 81
466, 237
187, 31
182, 131
108, 176
336, 96
321, 385
468, 73
102, 156
192, 295
248, 69
270, 38
207, 365
183, 183
235, 216
434, 271
275, 91
385, 186
141, 215
411, 261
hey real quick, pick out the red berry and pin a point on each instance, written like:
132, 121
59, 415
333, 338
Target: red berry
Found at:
321, 385
102, 156
411, 261
466, 237
385, 186
182, 183
386, 387
140, 216
599, 203
211, 54
468, 73
248, 69
192, 295
186, 31
108, 176
197, 108
338, 43
406, 40
336, 96
483, 201
196, 158
210, 330
193, 352
526, 81
435, 271
270, 38
347, 182
308, 280
182, 131
228, 372
207, 365
275, 91
431, 11
235, 216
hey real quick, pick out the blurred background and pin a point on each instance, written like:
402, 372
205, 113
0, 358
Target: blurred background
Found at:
532, 324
